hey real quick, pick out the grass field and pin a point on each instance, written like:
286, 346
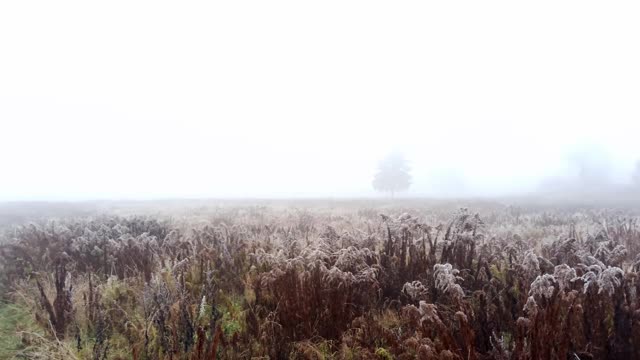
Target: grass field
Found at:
359, 279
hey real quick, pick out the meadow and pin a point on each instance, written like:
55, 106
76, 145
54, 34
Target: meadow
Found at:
313, 280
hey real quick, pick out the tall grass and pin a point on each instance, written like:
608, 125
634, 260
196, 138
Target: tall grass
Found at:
325, 284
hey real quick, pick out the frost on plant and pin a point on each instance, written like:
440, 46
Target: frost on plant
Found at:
445, 279
564, 276
530, 263
543, 286
415, 290
531, 307
610, 279
605, 279
617, 255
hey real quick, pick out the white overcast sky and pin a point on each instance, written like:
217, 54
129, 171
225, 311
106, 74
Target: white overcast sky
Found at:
133, 99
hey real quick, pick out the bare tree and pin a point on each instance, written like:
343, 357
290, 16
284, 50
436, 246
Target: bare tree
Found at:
393, 174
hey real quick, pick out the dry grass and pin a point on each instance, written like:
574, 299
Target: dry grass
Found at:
346, 283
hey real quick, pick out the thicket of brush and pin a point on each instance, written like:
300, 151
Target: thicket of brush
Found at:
342, 284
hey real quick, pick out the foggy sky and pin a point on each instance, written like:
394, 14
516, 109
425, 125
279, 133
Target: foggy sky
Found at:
154, 99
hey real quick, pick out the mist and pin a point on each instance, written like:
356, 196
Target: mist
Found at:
286, 99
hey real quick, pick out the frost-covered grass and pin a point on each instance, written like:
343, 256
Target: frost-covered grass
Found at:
400, 281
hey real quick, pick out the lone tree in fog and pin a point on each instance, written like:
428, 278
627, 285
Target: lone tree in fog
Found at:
393, 174
593, 166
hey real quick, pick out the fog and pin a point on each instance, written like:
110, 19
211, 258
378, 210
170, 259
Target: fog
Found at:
148, 100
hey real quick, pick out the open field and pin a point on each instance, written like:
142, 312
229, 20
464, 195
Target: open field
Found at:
360, 279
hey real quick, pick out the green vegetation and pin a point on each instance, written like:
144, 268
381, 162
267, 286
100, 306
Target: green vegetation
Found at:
14, 319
